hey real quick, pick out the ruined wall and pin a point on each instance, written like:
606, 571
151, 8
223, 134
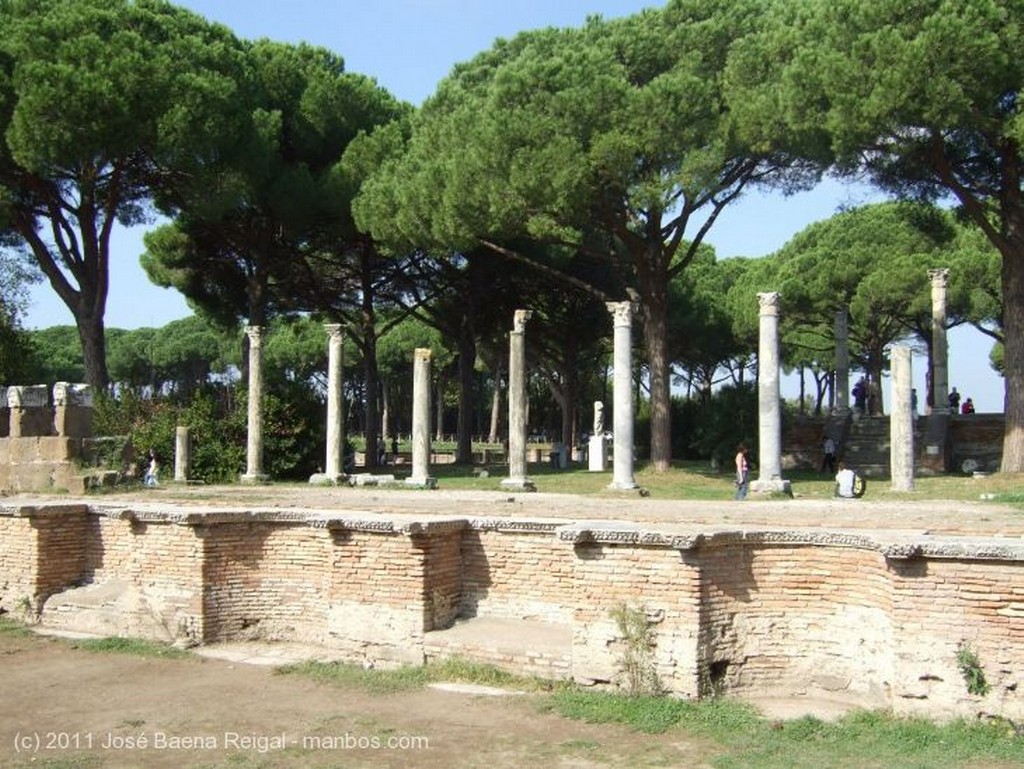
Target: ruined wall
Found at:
264, 580
653, 580
42, 438
764, 607
876, 619
516, 569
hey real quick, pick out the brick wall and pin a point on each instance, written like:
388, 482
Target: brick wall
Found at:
264, 580
848, 615
516, 570
801, 618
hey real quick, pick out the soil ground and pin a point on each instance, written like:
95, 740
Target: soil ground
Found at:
65, 708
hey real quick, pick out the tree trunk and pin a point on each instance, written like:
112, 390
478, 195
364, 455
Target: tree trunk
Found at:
493, 435
655, 336
439, 411
467, 358
94, 349
371, 385
1013, 344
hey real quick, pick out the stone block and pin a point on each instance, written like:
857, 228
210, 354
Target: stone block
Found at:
72, 410
59, 449
30, 411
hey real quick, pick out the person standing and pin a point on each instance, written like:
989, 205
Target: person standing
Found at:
149, 479
954, 401
828, 461
742, 472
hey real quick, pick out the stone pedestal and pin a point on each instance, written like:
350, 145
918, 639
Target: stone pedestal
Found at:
517, 406
597, 454
769, 408
901, 422
940, 352
30, 413
334, 464
5, 414
421, 421
72, 410
182, 454
622, 428
254, 442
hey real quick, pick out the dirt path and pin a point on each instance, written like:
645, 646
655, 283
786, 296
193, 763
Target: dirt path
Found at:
64, 707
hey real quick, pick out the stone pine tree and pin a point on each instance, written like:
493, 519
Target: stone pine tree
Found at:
924, 98
89, 119
611, 138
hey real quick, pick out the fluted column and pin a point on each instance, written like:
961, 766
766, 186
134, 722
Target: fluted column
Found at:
517, 405
254, 442
622, 396
769, 408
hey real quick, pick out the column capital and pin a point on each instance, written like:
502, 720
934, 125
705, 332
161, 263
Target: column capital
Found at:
519, 318
334, 330
421, 353
939, 276
769, 302
255, 334
622, 312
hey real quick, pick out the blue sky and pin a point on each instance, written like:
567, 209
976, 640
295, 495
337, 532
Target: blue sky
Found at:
409, 46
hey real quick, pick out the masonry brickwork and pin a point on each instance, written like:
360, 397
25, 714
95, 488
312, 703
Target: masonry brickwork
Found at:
873, 618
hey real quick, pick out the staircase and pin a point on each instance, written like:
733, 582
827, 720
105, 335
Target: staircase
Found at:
867, 446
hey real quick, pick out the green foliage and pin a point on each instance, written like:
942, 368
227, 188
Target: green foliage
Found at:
410, 677
137, 647
970, 668
639, 640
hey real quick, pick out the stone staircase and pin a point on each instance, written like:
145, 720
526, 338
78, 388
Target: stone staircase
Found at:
867, 447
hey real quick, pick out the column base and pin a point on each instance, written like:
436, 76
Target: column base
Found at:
518, 484
771, 486
323, 479
254, 479
597, 455
632, 490
426, 482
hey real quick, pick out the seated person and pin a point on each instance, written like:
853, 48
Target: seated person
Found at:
845, 481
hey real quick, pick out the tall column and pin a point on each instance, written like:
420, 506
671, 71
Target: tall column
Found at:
622, 396
254, 443
769, 409
334, 465
517, 478
901, 423
182, 454
421, 421
842, 341
940, 352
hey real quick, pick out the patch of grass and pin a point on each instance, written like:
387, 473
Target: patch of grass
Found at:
13, 628
64, 762
135, 646
409, 677
861, 739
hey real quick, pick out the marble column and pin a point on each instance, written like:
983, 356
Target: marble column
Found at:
421, 421
622, 396
597, 448
940, 352
254, 443
769, 407
842, 383
901, 422
517, 406
182, 454
334, 463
